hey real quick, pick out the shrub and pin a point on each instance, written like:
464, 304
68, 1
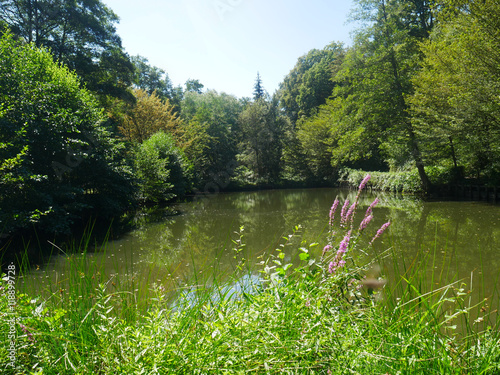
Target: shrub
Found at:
162, 169
57, 161
401, 181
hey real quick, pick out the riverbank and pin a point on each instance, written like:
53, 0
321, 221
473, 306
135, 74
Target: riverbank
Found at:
316, 315
446, 183
308, 322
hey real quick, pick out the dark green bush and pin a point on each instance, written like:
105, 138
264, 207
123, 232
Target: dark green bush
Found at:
162, 169
58, 163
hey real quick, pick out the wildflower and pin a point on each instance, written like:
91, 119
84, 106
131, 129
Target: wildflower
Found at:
374, 203
343, 212
341, 263
332, 267
363, 183
380, 231
333, 209
326, 249
369, 210
350, 212
28, 333
344, 244
365, 222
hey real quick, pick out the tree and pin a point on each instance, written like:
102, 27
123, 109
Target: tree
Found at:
149, 115
455, 105
162, 169
80, 34
315, 138
261, 147
194, 85
368, 110
310, 82
58, 163
211, 132
151, 79
258, 89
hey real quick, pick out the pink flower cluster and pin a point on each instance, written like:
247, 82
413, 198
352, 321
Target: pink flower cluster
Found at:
364, 182
339, 261
368, 215
347, 213
380, 231
333, 209
343, 213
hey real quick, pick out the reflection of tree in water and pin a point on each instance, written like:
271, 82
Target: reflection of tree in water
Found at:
464, 237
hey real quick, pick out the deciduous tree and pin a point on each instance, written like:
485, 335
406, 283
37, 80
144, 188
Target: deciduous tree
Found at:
80, 34
58, 162
455, 105
149, 115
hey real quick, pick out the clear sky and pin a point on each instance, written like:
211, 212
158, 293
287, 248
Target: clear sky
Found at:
224, 43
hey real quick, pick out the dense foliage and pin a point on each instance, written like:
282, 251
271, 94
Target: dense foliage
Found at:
416, 90
161, 168
148, 116
456, 108
57, 159
79, 33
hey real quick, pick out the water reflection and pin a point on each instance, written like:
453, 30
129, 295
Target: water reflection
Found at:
192, 246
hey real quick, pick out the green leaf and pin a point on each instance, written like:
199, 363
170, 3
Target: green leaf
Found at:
304, 256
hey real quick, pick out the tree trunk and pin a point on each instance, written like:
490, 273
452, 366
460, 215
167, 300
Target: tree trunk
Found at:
415, 150
453, 155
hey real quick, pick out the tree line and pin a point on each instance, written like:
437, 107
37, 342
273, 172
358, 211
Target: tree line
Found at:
86, 129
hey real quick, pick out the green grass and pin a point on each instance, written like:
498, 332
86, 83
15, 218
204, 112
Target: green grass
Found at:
298, 318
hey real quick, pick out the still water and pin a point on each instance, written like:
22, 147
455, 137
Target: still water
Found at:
462, 237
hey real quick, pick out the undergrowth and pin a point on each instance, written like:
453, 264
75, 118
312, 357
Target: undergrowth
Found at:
314, 316
404, 181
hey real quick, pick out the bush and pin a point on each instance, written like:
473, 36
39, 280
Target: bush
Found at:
58, 163
162, 169
403, 181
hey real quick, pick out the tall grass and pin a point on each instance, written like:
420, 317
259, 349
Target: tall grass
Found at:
309, 316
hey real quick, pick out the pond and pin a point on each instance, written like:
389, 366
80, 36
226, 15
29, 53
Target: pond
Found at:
463, 239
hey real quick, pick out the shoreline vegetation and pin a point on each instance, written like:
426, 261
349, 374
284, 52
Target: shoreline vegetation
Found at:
324, 315
88, 131
88, 134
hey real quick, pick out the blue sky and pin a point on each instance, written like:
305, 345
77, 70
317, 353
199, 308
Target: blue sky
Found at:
224, 43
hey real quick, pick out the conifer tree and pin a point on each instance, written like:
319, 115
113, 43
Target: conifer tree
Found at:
258, 90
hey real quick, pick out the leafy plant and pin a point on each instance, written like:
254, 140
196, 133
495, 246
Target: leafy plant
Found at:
58, 162
162, 169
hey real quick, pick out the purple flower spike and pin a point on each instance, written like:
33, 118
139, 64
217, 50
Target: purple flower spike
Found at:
326, 249
369, 210
343, 212
374, 203
345, 243
350, 212
380, 231
333, 209
365, 222
363, 183
332, 267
